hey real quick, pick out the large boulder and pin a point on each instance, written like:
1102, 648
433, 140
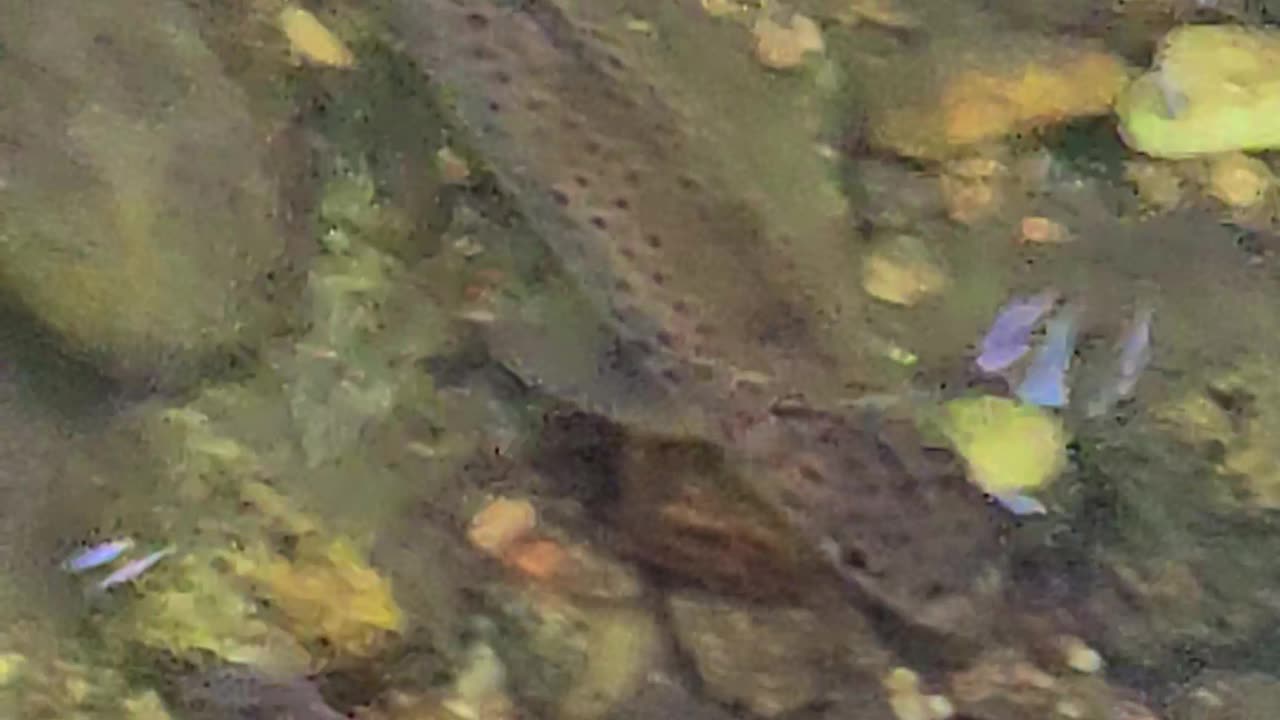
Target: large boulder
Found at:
138, 219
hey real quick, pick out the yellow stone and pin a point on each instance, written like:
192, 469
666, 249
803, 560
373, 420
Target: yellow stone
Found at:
312, 41
1008, 446
1238, 180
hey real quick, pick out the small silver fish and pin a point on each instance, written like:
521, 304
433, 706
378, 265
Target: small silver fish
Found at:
1134, 355
88, 558
1020, 505
1175, 101
1010, 335
134, 568
1045, 383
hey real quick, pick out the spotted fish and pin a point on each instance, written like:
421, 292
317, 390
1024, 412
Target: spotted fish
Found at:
692, 275
728, 287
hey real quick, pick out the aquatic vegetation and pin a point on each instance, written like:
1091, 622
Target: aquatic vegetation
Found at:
1237, 412
327, 594
199, 608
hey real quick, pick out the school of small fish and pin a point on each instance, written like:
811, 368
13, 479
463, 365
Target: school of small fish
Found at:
1044, 382
107, 552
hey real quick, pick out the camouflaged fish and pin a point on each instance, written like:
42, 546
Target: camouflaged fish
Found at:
728, 269
695, 279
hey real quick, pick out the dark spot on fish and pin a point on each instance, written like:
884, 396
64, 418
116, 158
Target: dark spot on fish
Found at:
671, 376
687, 183
933, 591
654, 241
591, 147
599, 222
665, 339
680, 307
811, 474
483, 54
615, 62
494, 106
631, 177
622, 286
582, 181
560, 197
658, 279
503, 77
627, 253
622, 203
854, 558
535, 104
476, 21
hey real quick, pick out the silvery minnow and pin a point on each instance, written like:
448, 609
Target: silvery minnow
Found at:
1134, 355
1045, 383
134, 568
88, 558
1010, 335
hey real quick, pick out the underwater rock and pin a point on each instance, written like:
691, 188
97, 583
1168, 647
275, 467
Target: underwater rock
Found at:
1003, 685
903, 271
1219, 695
984, 92
139, 215
1009, 447
1212, 88
769, 660
1239, 181
782, 46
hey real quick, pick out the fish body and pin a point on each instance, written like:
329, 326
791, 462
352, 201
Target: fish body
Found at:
1045, 383
633, 187
1134, 354
135, 568
728, 280
97, 555
1009, 337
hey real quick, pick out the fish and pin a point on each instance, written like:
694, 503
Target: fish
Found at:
1175, 101
1134, 354
707, 271
716, 256
97, 555
1045, 383
134, 568
1020, 504
1009, 337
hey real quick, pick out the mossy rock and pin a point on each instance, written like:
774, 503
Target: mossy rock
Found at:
138, 219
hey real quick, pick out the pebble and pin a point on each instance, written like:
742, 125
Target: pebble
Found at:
312, 41
1039, 230
500, 523
1158, 184
1080, 657
902, 271
784, 46
1238, 180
